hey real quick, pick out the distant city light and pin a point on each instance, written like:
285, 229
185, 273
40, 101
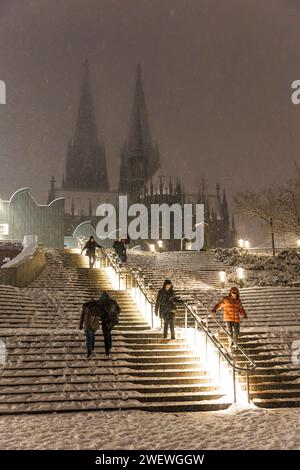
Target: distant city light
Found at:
247, 244
160, 243
241, 243
298, 243
240, 272
4, 230
152, 247
222, 277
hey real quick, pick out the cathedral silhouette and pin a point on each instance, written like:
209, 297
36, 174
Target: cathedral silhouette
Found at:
85, 183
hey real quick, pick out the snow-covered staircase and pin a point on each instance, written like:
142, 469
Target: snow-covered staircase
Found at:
47, 369
195, 268
267, 336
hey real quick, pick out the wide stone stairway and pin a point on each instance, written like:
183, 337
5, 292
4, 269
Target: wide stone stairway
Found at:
268, 336
46, 368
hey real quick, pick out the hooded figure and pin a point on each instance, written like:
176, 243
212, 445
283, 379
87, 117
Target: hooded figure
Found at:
110, 311
90, 248
120, 249
165, 307
233, 308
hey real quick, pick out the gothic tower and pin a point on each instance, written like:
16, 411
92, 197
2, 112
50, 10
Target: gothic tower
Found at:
86, 161
139, 157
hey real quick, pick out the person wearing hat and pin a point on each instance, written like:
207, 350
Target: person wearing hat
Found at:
233, 309
90, 248
165, 307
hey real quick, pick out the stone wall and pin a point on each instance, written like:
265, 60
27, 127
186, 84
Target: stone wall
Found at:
23, 269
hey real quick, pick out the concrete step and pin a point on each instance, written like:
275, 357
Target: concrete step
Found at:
277, 402
112, 405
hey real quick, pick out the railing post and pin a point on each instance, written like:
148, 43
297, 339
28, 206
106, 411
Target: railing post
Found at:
206, 346
152, 316
195, 336
248, 386
185, 321
234, 384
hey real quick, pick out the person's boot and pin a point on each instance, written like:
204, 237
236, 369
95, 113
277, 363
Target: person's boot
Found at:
89, 354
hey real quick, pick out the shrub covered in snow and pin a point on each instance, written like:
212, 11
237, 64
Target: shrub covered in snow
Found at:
280, 270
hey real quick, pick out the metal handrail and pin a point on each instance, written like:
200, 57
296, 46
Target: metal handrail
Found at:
219, 345
222, 351
142, 285
253, 365
121, 269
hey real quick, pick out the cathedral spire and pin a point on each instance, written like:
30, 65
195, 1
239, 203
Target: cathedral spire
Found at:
86, 122
140, 158
86, 161
139, 125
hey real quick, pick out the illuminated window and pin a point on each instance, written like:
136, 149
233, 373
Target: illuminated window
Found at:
3, 229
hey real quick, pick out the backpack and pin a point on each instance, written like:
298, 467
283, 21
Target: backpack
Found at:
92, 314
112, 313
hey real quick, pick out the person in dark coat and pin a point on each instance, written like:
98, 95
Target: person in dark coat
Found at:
89, 320
165, 307
120, 249
90, 248
110, 311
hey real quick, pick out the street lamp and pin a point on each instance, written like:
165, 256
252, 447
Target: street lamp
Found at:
181, 243
152, 247
160, 244
222, 276
241, 243
240, 272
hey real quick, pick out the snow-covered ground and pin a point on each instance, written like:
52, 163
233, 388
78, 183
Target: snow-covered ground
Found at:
239, 427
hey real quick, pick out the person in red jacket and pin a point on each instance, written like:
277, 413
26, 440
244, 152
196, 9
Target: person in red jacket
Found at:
233, 308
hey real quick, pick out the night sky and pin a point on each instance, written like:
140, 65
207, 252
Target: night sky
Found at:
217, 78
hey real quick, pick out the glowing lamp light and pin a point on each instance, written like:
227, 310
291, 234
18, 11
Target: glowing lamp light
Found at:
241, 243
298, 243
188, 246
160, 243
222, 277
152, 248
247, 244
240, 272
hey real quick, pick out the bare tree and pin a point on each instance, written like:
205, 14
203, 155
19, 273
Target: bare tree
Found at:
288, 218
265, 205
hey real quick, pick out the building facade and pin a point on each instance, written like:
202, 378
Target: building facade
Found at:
21, 216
